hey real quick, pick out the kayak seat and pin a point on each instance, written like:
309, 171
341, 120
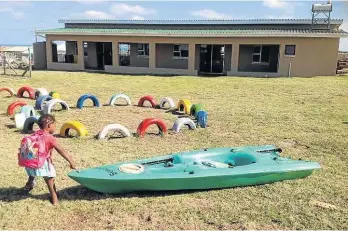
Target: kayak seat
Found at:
241, 159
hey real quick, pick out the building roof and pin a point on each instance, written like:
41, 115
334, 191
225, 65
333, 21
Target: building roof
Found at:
201, 22
23, 49
199, 33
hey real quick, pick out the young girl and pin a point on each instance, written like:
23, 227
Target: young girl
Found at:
47, 124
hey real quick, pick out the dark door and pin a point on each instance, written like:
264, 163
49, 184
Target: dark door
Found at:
205, 59
217, 64
108, 53
100, 55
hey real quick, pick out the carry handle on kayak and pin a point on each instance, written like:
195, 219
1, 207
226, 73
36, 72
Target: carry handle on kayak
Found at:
271, 150
158, 161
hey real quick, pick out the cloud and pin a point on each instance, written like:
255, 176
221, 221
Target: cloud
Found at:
96, 14
344, 41
275, 4
137, 17
16, 14
121, 9
210, 14
89, 2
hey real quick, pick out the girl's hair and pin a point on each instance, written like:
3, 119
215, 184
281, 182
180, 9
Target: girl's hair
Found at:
45, 120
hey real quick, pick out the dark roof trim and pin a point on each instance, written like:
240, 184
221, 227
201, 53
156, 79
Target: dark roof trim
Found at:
199, 22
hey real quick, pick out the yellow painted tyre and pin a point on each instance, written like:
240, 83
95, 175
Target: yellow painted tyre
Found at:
184, 105
55, 95
75, 125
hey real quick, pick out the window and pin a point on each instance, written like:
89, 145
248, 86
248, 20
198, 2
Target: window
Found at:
143, 49
261, 54
180, 51
85, 45
290, 50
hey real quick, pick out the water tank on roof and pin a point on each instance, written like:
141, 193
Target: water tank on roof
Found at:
322, 7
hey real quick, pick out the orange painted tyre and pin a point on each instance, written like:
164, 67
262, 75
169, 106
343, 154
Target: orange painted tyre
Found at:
148, 98
12, 107
30, 90
9, 90
148, 122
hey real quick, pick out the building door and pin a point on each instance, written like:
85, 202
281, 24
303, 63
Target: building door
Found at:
100, 55
212, 58
108, 53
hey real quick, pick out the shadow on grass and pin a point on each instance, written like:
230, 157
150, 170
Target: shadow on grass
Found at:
79, 192
10, 126
346, 122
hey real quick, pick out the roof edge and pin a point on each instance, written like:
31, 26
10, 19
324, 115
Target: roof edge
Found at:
195, 22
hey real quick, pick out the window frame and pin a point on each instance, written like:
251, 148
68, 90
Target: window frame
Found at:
290, 55
259, 54
180, 51
145, 48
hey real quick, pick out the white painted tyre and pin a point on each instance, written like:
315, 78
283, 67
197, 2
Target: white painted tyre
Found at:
19, 120
115, 128
167, 100
50, 104
28, 111
119, 96
40, 91
183, 121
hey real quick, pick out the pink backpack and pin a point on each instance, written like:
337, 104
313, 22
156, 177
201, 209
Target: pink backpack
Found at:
32, 153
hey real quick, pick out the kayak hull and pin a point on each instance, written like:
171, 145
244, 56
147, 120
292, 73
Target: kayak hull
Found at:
268, 168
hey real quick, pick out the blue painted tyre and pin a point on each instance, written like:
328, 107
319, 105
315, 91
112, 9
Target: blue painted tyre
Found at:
29, 124
84, 97
39, 102
202, 117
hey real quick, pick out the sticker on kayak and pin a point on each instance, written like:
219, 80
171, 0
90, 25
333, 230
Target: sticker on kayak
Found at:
110, 171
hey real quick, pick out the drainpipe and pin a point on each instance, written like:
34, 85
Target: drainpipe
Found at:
289, 73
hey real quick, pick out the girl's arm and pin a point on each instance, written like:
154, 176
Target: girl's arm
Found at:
65, 155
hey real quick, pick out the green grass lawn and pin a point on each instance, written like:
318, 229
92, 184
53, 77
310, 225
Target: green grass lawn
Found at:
306, 117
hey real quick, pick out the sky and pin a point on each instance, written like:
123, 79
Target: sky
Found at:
18, 20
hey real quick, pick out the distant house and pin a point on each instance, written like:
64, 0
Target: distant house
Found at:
265, 47
17, 53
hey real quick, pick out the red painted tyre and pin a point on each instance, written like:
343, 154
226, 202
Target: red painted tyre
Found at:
148, 98
9, 90
29, 90
12, 107
148, 122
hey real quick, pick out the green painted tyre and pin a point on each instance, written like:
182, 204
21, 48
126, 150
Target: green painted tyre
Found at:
52, 92
195, 109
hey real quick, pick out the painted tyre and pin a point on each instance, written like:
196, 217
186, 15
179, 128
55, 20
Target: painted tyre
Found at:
195, 109
84, 97
167, 100
39, 103
202, 118
13, 106
50, 104
27, 89
148, 122
148, 98
181, 122
56, 95
19, 120
9, 90
28, 111
184, 105
40, 92
113, 127
29, 124
119, 96
52, 92
75, 125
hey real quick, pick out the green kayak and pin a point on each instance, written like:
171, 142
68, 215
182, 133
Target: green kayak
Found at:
201, 169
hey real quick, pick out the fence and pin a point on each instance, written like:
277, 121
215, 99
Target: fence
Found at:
16, 64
